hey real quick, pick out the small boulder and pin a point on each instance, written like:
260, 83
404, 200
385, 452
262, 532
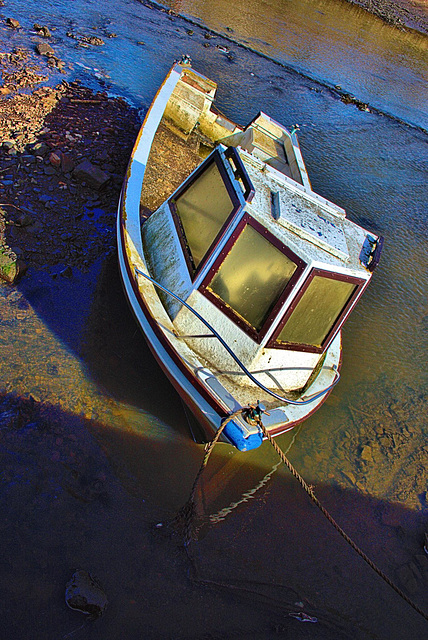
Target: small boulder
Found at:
11, 22
42, 31
92, 175
11, 267
366, 453
44, 49
67, 272
24, 220
55, 159
84, 593
67, 163
94, 40
38, 148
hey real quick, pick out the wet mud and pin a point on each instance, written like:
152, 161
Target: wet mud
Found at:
368, 448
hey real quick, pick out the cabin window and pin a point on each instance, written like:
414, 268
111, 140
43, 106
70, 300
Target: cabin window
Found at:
253, 275
313, 319
202, 209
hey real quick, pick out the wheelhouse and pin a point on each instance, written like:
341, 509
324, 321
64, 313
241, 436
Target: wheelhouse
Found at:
262, 278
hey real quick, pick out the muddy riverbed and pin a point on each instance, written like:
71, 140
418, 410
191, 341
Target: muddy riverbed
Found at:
95, 450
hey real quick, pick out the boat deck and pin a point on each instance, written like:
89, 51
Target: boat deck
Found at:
172, 159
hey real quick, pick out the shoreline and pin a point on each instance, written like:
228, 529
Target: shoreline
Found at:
61, 167
403, 14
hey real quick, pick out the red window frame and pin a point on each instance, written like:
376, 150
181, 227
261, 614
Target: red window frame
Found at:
236, 207
333, 275
257, 336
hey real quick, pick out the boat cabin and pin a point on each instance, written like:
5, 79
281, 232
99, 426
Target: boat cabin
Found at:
274, 266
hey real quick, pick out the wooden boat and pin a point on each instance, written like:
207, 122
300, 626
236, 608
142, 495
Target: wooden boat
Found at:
238, 273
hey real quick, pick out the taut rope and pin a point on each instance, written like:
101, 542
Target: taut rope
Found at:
332, 521
186, 516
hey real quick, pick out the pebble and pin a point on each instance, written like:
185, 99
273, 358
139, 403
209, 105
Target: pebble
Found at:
11, 22
366, 453
42, 31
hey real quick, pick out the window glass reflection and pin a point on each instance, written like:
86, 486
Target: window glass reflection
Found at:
252, 277
203, 209
317, 311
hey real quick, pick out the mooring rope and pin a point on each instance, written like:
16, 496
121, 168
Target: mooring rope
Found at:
339, 529
187, 514
217, 517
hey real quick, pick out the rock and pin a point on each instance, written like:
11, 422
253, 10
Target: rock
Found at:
44, 49
24, 220
28, 159
91, 174
42, 31
55, 159
84, 593
366, 453
44, 198
11, 267
95, 41
349, 476
67, 272
11, 22
67, 163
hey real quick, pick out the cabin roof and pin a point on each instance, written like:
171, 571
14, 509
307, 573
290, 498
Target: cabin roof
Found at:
315, 228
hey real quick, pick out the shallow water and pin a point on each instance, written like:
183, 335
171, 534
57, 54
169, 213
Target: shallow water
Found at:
74, 345
332, 41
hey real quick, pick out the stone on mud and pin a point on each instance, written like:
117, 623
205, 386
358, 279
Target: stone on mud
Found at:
92, 175
44, 49
11, 267
38, 148
84, 593
42, 31
366, 453
67, 163
11, 22
55, 159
